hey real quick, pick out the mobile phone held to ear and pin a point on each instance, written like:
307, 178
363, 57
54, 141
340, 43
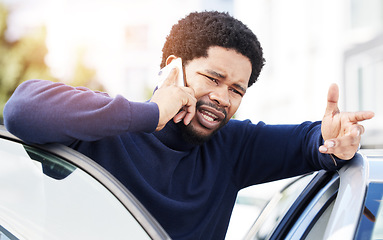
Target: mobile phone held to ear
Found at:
164, 72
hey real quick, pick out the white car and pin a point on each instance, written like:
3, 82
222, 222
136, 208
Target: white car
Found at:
53, 192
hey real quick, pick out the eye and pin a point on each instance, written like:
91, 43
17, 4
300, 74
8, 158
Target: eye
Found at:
236, 92
212, 79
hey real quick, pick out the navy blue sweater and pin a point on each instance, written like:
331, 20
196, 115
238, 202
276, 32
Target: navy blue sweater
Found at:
189, 189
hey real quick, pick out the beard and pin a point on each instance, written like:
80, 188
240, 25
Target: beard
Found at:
192, 135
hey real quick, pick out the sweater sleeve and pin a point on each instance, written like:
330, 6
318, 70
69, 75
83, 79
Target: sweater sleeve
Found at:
43, 112
272, 152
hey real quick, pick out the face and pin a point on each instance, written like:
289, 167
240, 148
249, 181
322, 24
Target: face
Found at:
219, 81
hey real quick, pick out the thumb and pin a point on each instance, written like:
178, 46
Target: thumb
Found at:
332, 100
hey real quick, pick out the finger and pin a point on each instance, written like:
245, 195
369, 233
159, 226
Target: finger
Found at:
189, 115
337, 144
360, 116
332, 100
180, 115
343, 147
188, 109
326, 147
172, 78
190, 91
355, 130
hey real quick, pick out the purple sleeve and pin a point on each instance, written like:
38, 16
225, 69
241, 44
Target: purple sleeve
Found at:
43, 112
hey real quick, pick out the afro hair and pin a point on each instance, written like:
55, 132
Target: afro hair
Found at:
193, 35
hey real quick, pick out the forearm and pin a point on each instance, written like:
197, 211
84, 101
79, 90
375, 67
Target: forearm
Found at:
272, 152
43, 112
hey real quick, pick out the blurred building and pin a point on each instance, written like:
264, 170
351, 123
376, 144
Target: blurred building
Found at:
308, 45
363, 83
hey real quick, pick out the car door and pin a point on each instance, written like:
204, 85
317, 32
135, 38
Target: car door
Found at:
54, 192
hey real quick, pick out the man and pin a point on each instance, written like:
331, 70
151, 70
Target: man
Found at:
179, 153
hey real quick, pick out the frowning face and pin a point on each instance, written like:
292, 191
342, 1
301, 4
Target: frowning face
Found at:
219, 81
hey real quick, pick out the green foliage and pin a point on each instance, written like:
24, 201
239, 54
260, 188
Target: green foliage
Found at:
20, 60
24, 59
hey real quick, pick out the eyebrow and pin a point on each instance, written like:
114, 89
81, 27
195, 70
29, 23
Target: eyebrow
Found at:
216, 74
240, 88
222, 76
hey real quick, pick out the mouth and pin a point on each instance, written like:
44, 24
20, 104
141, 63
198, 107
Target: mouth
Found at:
210, 117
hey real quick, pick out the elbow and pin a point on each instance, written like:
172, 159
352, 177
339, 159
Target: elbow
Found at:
12, 117
18, 122
15, 113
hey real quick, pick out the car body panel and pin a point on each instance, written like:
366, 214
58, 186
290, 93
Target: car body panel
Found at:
351, 194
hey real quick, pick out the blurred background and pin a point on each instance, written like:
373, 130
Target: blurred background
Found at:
115, 46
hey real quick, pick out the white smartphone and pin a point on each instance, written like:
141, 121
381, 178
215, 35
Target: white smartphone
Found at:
164, 72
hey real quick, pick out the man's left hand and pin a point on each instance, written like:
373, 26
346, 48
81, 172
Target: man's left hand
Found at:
341, 131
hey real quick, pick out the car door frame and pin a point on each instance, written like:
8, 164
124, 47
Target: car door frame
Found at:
347, 187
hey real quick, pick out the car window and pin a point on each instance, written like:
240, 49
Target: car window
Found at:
5, 235
312, 220
274, 211
249, 204
319, 228
371, 223
45, 197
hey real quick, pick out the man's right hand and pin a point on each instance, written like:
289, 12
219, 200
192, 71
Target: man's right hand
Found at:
174, 102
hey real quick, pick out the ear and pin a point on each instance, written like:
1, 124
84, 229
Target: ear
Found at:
170, 59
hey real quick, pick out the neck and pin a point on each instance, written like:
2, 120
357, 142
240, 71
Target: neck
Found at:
171, 135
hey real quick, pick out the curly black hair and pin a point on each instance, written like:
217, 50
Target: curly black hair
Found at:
193, 35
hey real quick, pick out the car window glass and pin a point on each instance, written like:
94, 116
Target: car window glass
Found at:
44, 197
5, 235
315, 205
277, 208
318, 230
371, 224
377, 232
249, 204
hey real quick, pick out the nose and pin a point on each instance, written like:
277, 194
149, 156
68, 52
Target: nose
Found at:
220, 96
